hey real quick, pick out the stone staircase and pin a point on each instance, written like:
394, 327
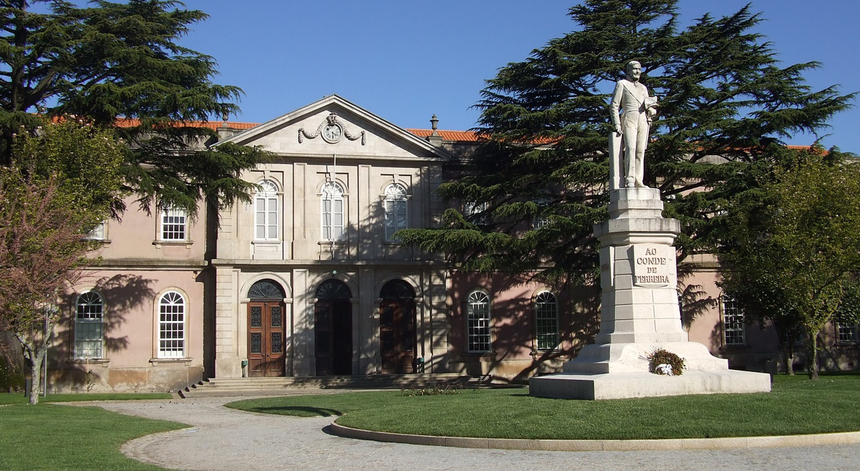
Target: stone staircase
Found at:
262, 386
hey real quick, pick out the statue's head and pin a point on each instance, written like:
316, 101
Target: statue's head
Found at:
634, 70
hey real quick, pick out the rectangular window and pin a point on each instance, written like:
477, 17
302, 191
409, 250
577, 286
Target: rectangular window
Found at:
267, 218
847, 333
173, 222
98, 233
395, 217
332, 219
733, 322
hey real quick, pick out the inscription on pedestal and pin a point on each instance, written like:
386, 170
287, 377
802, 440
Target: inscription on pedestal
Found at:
653, 265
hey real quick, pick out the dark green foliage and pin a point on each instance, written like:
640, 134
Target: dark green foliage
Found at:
546, 119
664, 357
121, 60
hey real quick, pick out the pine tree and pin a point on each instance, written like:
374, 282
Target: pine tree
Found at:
540, 180
121, 60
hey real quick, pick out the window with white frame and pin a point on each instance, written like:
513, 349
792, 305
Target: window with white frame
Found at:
546, 321
266, 211
173, 224
99, 232
171, 325
539, 222
846, 333
89, 326
476, 212
331, 212
733, 321
478, 322
395, 210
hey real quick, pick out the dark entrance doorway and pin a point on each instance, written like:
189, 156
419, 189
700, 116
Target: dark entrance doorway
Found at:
333, 329
267, 332
397, 328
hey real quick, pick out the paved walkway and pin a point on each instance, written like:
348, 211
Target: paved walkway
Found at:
225, 439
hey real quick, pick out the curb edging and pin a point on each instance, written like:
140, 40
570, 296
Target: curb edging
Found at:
601, 445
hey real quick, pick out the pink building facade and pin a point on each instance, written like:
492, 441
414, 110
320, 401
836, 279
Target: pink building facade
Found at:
309, 280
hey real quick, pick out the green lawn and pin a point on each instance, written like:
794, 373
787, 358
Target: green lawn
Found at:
57, 437
19, 398
795, 406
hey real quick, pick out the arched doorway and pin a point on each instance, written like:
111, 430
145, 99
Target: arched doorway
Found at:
333, 329
397, 328
267, 332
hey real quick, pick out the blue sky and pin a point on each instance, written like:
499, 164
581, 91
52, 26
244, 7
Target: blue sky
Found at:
406, 60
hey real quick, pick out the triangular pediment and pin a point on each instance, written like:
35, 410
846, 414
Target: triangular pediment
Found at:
334, 126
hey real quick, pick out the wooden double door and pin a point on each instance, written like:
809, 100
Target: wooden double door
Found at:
267, 336
397, 336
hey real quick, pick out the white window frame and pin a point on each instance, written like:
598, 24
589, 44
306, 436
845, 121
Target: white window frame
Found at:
846, 333
266, 210
172, 317
734, 331
332, 214
99, 232
89, 326
478, 322
539, 222
395, 208
475, 212
173, 226
546, 321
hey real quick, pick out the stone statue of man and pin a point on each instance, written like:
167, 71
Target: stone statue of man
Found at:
632, 123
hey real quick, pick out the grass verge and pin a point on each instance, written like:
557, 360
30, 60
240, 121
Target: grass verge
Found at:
795, 406
19, 398
55, 437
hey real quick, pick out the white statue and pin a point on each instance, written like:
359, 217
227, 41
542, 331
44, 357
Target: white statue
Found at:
631, 111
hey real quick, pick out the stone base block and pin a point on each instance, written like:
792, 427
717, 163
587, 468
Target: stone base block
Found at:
633, 357
228, 368
633, 385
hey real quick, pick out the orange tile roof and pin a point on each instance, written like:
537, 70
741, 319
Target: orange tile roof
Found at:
467, 136
130, 122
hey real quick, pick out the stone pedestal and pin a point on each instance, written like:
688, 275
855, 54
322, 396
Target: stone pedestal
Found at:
639, 314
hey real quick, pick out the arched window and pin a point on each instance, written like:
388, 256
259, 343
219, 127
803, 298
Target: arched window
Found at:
266, 289
395, 210
546, 321
266, 212
331, 212
89, 326
478, 322
171, 325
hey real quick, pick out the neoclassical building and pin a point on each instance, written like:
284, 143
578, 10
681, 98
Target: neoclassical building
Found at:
309, 280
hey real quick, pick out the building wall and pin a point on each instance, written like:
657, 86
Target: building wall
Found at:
136, 270
301, 258
221, 259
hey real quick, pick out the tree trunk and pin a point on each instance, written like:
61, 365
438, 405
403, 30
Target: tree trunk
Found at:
788, 359
36, 372
812, 356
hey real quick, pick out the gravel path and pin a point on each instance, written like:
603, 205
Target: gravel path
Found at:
225, 439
